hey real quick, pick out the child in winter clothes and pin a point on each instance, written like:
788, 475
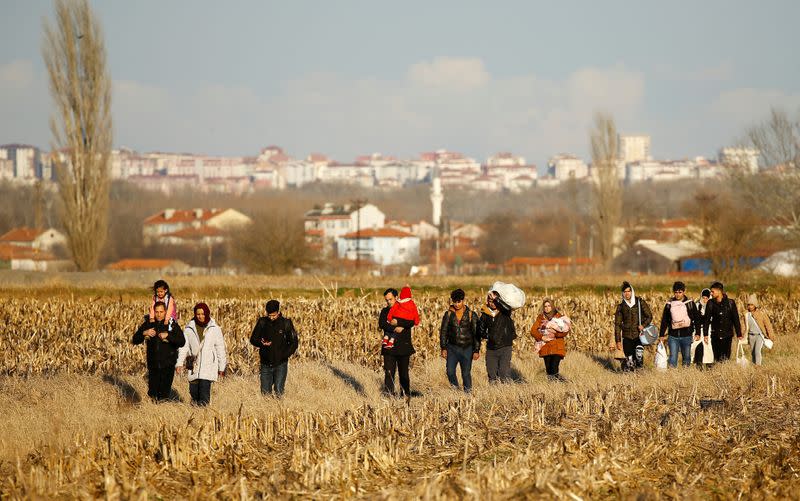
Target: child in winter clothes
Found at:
161, 294
403, 308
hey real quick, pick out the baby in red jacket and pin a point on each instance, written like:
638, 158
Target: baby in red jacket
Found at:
404, 308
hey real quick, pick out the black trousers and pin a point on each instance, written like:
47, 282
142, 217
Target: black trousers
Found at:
722, 348
551, 364
200, 390
159, 382
629, 347
393, 364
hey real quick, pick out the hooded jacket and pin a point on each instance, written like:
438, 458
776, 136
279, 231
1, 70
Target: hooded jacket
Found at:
497, 327
161, 353
210, 355
626, 317
281, 333
460, 333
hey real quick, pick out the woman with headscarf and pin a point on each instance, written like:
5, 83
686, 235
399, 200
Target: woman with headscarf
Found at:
757, 328
203, 356
552, 335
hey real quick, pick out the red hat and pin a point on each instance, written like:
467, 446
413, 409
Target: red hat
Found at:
405, 292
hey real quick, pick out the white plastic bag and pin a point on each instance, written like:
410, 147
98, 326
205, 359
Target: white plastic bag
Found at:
660, 360
708, 352
768, 343
741, 355
512, 295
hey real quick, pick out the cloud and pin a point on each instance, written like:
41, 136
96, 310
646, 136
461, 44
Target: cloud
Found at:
16, 75
449, 74
746, 105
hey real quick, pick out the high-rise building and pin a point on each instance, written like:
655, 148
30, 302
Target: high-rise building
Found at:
634, 148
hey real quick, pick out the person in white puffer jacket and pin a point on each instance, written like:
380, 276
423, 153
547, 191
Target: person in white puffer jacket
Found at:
203, 357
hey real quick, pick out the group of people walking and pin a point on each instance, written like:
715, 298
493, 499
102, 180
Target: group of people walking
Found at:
687, 327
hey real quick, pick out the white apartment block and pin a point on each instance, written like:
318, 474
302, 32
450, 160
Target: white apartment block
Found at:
660, 170
745, 158
383, 246
634, 148
504, 159
25, 160
332, 221
563, 167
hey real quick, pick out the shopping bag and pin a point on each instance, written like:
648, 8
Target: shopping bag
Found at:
708, 353
693, 348
741, 355
660, 360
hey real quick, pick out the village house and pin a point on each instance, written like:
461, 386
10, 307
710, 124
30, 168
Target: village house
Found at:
383, 246
176, 227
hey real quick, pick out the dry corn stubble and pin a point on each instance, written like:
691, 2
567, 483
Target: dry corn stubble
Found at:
602, 435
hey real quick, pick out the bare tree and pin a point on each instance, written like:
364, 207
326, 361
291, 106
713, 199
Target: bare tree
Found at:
75, 56
273, 243
607, 201
777, 139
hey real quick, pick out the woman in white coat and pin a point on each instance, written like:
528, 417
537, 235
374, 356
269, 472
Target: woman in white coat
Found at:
203, 356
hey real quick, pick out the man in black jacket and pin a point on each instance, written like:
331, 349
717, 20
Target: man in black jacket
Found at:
682, 325
396, 359
276, 340
497, 327
163, 338
722, 318
458, 339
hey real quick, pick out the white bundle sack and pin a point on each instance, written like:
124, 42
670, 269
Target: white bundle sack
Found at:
661, 356
511, 295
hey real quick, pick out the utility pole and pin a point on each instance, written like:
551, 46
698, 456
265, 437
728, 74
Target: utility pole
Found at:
358, 203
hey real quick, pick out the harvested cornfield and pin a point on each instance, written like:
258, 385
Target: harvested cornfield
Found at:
75, 421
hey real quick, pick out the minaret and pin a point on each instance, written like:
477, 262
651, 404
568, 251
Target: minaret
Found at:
436, 199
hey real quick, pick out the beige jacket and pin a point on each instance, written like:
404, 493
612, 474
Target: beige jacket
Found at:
762, 320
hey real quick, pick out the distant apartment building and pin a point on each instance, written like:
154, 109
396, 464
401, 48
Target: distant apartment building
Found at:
563, 167
504, 159
383, 246
26, 160
331, 221
6, 169
634, 148
653, 170
174, 226
744, 158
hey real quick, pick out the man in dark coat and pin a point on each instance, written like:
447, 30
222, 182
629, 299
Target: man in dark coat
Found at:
396, 359
722, 317
276, 340
497, 327
630, 317
682, 325
163, 337
458, 339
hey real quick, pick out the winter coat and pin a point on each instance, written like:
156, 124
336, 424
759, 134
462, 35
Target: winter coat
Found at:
210, 357
762, 320
696, 326
723, 318
627, 321
283, 336
403, 345
554, 347
460, 333
499, 329
161, 353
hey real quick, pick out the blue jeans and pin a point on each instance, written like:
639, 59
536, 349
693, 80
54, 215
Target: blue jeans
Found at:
682, 344
459, 355
273, 379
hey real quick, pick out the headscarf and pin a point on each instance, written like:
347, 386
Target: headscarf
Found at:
552, 313
632, 301
206, 310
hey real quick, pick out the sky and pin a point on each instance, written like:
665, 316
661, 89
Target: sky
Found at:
348, 78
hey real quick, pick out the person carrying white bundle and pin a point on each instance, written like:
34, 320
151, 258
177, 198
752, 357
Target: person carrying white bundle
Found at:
757, 329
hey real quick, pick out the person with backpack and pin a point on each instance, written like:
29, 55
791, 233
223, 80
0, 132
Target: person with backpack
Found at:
721, 322
276, 339
203, 357
630, 317
497, 327
458, 339
681, 321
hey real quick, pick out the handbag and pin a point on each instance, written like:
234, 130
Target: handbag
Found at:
768, 343
741, 357
649, 334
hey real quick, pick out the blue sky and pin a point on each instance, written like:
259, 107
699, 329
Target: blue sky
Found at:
355, 77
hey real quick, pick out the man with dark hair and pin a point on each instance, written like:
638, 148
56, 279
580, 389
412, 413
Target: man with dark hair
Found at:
396, 359
722, 319
276, 339
630, 318
681, 321
458, 339
163, 337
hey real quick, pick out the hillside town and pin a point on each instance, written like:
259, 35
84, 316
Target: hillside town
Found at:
273, 168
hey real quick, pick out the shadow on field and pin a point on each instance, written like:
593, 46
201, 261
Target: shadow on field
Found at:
605, 362
517, 376
126, 391
349, 379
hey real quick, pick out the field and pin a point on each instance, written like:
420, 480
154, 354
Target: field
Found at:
75, 420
